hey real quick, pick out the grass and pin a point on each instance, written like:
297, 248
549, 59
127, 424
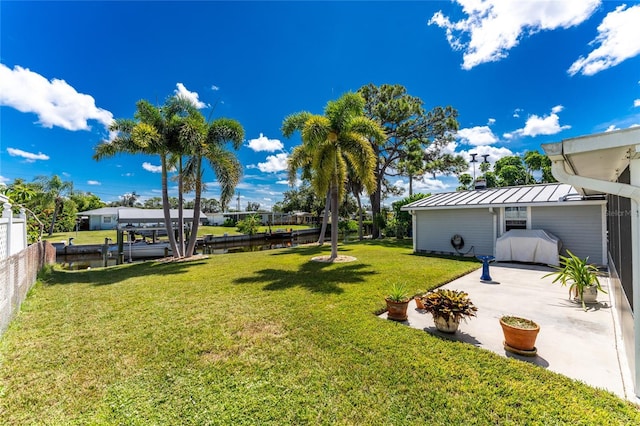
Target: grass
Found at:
266, 338
97, 237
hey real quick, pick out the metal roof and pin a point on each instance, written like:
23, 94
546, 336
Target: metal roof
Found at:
496, 197
152, 215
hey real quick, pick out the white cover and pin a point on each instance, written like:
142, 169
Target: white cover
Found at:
528, 245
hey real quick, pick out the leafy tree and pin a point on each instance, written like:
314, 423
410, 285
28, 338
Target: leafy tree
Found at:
249, 225
129, 199
253, 206
402, 220
334, 142
86, 201
54, 193
153, 203
407, 125
210, 205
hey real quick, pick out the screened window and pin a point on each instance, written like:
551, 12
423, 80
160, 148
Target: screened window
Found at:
106, 219
515, 218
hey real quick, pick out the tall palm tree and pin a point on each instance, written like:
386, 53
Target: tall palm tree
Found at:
54, 191
203, 140
153, 131
336, 141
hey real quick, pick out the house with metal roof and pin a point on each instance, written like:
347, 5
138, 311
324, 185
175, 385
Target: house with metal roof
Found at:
119, 217
471, 222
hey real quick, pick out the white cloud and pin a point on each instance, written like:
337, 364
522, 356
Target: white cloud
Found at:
265, 144
93, 182
491, 121
618, 38
151, 168
29, 156
493, 27
611, 128
479, 135
493, 154
545, 125
3, 179
516, 112
55, 102
214, 88
182, 92
275, 163
636, 103
282, 182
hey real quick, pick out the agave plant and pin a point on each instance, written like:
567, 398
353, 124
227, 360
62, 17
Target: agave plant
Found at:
449, 304
577, 273
398, 293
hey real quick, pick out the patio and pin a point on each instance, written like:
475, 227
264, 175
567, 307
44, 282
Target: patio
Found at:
578, 344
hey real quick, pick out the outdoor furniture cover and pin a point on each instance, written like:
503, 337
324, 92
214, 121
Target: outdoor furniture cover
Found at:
528, 245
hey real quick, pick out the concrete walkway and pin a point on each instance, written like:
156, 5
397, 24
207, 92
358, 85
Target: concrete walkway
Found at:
578, 344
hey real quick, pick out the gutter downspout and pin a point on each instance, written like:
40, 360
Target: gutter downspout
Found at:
495, 228
414, 224
559, 171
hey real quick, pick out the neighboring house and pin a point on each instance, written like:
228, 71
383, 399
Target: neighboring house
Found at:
609, 163
104, 218
109, 217
481, 216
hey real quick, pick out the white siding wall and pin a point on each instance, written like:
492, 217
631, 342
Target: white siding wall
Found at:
579, 228
436, 227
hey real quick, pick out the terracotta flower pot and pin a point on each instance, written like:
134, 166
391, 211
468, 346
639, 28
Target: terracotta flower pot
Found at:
397, 311
520, 335
446, 325
419, 302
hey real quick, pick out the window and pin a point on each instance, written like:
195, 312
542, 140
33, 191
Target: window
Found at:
106, 219
515, 218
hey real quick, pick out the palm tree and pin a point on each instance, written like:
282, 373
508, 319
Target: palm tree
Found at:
334, 142
203, 140
54, 191
153, 131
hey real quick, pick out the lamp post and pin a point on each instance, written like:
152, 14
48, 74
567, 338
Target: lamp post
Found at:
474, 161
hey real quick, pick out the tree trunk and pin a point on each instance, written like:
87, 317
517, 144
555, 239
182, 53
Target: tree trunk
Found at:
410, 185
375, 209
196, 212
359, 201
325, 218
165, 208
180, 242
56, 206
334, 222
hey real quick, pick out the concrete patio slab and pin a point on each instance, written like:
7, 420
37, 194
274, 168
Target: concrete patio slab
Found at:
578, 344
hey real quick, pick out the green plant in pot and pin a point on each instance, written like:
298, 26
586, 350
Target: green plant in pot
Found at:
448, 307
397, 302
580, 276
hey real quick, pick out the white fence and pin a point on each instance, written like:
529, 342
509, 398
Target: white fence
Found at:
13, 230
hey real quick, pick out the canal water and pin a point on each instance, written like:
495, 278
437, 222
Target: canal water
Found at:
88, 261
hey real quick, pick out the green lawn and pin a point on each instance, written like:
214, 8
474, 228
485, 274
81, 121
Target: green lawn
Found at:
97, 237
267, 338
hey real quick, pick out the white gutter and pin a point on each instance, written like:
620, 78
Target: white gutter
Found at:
495, 228
559, 171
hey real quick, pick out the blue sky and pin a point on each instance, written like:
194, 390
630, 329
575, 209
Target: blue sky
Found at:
520, 73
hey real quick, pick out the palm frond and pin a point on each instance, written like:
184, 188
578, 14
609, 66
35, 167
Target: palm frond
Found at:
294, 122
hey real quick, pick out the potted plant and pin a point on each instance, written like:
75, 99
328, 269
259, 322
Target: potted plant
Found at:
581, 277
448, 307
519, 334
397, 302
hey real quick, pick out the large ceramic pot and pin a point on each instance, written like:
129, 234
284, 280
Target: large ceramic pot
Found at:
519, 334
446, 325
397, 311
